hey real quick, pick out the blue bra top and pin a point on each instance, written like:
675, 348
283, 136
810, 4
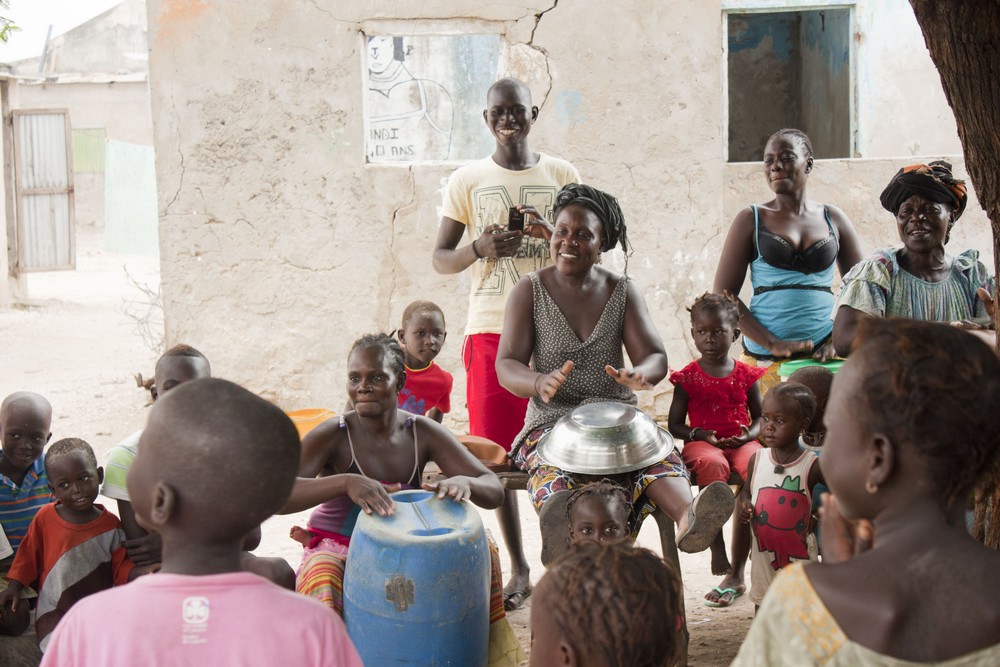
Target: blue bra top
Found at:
779, 253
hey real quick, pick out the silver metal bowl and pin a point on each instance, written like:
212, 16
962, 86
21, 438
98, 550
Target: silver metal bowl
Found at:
604, 439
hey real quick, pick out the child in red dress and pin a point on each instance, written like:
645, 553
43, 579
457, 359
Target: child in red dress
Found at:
716, 411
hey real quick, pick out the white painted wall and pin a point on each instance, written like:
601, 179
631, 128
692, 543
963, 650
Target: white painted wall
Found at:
280, 246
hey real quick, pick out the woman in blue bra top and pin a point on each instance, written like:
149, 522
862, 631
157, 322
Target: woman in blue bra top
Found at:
790, 245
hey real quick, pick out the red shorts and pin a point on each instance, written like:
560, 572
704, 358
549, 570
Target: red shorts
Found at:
494, 412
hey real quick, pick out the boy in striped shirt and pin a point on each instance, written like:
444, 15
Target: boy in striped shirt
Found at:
25, 427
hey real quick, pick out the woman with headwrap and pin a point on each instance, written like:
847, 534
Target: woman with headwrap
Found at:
572, 319
919, 281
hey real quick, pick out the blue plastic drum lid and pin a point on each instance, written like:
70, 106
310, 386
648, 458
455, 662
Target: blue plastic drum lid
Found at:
417, 584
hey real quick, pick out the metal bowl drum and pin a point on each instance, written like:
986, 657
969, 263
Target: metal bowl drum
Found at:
604, 439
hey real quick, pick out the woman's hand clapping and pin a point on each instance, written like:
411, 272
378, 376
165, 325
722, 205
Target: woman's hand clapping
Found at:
546, 385
628, 377
372, 496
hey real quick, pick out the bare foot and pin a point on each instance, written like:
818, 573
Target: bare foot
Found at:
300, 535
720, 559
723, 595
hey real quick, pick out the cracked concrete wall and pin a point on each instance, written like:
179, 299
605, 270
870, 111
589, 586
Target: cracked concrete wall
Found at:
279, 245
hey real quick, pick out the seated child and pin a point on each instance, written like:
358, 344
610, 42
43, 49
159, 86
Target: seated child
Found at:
777, 498
606, 605
601, 513
201, 609
25, 427
716, 411
74, 547
427, 390
178, 365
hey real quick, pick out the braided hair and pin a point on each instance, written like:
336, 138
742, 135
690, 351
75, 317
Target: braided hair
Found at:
605, 207
618, 604
392, 353
801, 136
723, 304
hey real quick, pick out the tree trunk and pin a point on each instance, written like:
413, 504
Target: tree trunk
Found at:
962, 37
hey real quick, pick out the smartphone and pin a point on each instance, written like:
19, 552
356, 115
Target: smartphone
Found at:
515, 220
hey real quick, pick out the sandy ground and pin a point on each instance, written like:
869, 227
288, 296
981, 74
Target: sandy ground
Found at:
76, 340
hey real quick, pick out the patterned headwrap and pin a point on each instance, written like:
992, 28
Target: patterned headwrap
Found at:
604, 206
933, 181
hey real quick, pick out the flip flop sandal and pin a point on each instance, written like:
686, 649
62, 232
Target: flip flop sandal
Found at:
723, 592
707, 515
515, 599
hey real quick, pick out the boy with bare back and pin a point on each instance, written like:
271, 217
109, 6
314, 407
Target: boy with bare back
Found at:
502, 204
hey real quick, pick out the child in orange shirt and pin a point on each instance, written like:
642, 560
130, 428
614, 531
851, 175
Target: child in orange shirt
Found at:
74, 547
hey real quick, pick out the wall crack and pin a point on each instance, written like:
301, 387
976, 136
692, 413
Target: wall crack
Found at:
542, 50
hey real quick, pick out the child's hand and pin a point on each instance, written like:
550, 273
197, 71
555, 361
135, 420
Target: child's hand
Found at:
11, 595
840, 538
628, 377
785, 348
535, 224
144, 550
456, 487
746, 511
372, 496
548, 384
496, 241
736, 440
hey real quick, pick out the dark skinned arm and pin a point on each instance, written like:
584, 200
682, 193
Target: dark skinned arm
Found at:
737, 254
642, 343
677, 417
517, 343
845, 328
449, 258
466, 477
143, 547
318, 448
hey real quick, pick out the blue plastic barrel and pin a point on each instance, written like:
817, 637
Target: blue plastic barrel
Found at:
417, 584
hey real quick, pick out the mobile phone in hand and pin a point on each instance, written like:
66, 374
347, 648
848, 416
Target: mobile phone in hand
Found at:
515, 220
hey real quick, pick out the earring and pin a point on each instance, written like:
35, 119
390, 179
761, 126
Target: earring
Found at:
871, 487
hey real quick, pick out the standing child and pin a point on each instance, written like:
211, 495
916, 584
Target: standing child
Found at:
716, 411
25, 427
428, 386
74, 547
599, 513
213, 462
606, 605
777, 500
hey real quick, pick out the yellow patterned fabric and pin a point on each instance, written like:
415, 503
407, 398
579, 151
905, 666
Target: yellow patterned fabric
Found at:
794, 628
